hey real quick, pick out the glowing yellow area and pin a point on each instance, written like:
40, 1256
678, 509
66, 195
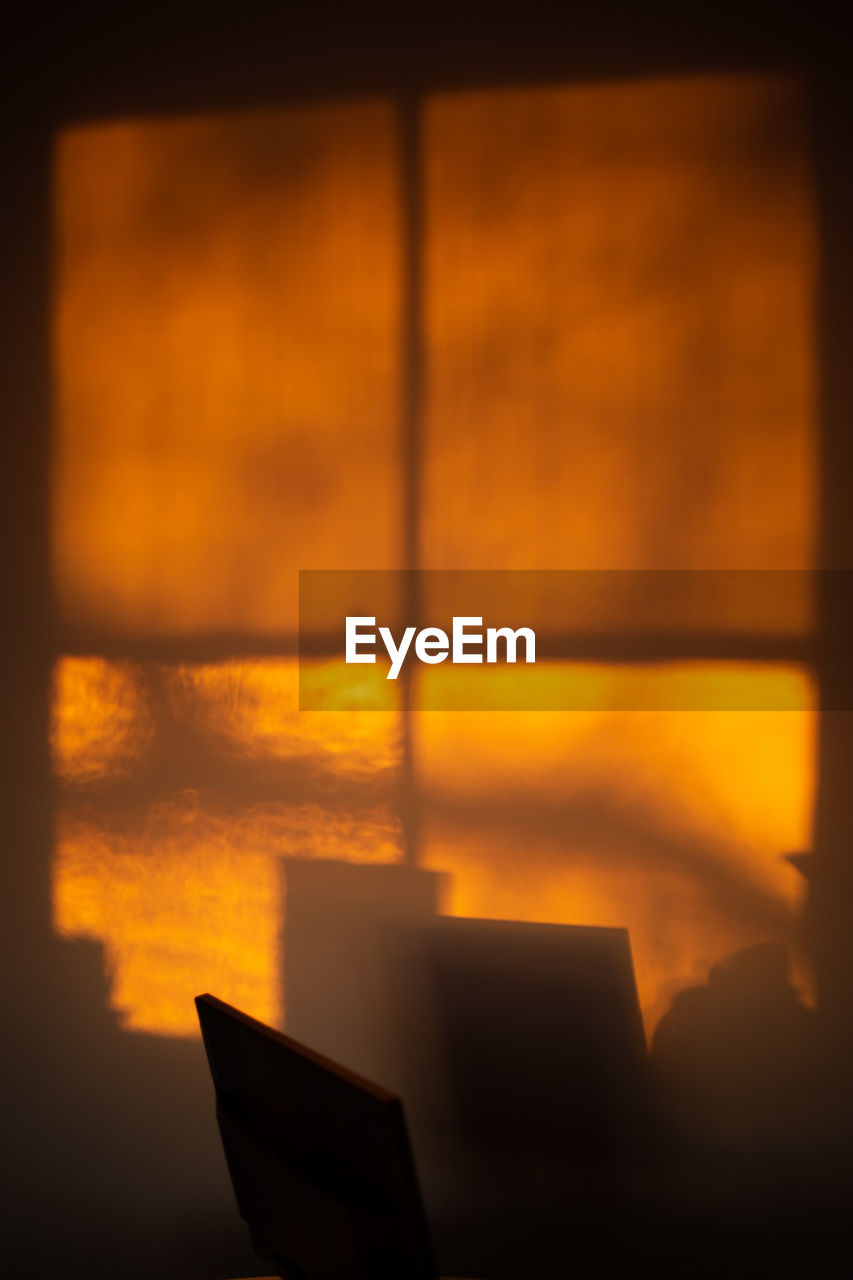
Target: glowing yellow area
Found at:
226, 365
672, 823
100, 720
595, 687
183, 907
618, 290
620, 298
178, 875
253, 707
193, 900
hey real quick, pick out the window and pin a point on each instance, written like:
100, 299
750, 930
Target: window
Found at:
607, 291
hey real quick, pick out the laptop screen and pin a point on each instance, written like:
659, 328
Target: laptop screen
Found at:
319, 1157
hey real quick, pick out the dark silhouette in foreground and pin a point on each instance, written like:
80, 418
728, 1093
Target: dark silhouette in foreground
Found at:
736, 1059
544, 1134
753, 1159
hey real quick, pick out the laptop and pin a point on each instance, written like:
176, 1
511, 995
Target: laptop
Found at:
539, 1041
319, 1157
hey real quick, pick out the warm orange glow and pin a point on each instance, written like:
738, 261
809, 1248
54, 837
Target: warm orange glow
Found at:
182, 883
252, 708
594, 688
192, 900
672, 823
184, 906
618, 300
100, 721
226, 356
620, 285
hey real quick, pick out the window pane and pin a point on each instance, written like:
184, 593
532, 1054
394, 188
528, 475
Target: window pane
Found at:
182, 790
619, 295
673, 824
226, 350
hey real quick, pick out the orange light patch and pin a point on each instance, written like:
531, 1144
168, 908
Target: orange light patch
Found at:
179, 876
619, 286
100, 721
671, 823
193, 901
590, 687
191, 911
254, 708
620, 293
226, 359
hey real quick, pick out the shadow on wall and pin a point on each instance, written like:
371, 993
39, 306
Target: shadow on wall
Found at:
541, 1130
123, 1174
737, 1059
116, 1166
752, 1111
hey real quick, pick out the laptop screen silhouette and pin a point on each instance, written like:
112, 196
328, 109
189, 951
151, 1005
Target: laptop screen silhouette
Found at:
319, 1158
537, 1097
